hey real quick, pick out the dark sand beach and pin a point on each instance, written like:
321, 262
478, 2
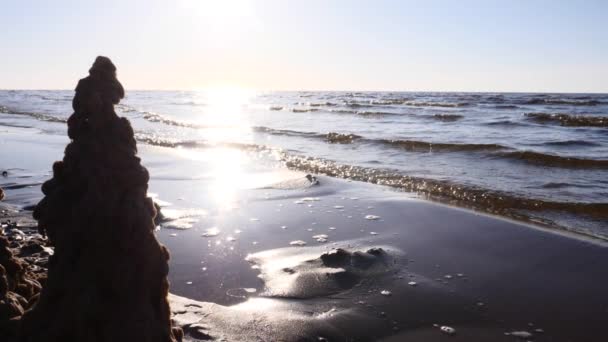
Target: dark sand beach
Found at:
290, 261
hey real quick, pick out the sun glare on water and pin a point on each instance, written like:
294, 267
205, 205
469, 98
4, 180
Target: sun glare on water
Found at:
225, 113
224, 119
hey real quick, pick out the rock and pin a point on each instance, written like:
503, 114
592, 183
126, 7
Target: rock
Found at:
107, 278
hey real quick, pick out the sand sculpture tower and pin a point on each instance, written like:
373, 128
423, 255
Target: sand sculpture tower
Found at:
107, 279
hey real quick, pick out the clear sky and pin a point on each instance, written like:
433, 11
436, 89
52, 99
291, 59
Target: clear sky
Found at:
459, 45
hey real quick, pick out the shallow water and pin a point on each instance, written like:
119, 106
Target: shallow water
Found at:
535, 157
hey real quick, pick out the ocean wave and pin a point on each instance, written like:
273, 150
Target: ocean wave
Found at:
125, 108
573, 143
285, 132
505, 123
372, 113
341, 138
389, 102
365, 113
530, 157
437, 104
37, 116
551, 160
331, 137
570, 102
188, 103
342, 111
176, 143
569, 120
447, 117
506, 106
321, 104
304, 110
352, 104
495, 202
423, 146
155, 117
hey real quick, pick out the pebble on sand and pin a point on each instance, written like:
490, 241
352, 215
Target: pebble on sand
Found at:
447, 330
310, 199
385, 293
371, 217
298, 243
520, 334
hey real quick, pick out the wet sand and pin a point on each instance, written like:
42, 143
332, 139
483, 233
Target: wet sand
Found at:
481, 275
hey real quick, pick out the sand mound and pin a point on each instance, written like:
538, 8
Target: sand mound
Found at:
314, 272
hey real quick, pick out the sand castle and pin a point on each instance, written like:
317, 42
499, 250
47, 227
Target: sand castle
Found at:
107, 279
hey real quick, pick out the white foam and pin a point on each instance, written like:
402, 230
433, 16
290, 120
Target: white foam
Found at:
210, 232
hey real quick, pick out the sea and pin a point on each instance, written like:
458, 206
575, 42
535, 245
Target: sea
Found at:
533, 157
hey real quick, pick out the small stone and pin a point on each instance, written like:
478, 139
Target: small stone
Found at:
385, 293
447, 330
412, 283
297, 243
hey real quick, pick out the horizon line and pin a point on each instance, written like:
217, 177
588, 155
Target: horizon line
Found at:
339, 90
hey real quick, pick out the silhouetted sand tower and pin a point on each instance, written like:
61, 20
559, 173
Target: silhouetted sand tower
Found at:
107, 280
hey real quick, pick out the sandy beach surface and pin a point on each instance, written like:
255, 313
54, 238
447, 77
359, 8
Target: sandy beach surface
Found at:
259, 253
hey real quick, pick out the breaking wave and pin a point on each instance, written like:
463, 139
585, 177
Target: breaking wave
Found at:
570, 102
569, 120
437, 104
554, 160
447, 117
37, 116
495, 202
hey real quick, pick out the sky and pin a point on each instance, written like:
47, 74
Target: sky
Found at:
528, 45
